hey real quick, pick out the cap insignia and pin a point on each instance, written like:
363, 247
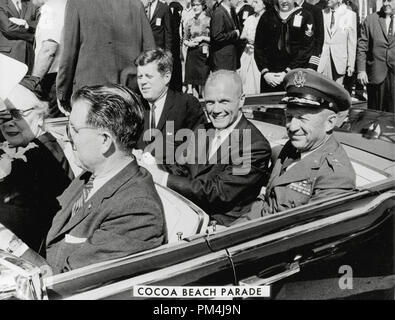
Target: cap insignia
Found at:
299, 79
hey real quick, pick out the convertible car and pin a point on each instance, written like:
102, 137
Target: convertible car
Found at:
302, 253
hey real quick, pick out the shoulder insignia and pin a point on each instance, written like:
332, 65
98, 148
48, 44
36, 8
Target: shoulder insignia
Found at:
309, 31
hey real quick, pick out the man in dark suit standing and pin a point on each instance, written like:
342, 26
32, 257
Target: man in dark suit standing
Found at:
167, 111
158, 14
376, 57
111, 210
225, 36
18, 21
101, 38
318, 34
226, 161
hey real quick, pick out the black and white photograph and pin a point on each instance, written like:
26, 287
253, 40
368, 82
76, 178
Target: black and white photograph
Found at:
197, 157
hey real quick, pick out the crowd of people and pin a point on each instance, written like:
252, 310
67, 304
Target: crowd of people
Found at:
128, 75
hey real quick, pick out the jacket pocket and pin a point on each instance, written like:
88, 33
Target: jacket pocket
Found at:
5, 49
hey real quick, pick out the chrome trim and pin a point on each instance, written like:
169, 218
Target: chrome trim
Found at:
212, 258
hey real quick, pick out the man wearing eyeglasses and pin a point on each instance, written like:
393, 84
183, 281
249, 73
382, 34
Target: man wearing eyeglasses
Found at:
112, 209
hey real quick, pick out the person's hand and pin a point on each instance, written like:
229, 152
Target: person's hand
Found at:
148, 162
271, 79
5, 237
279, 77
193, 43
19, 22
350, 71
363, 77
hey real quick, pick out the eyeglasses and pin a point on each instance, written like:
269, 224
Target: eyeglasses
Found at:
68, 133
16, 114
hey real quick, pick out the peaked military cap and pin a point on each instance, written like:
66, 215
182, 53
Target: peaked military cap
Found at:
308, 88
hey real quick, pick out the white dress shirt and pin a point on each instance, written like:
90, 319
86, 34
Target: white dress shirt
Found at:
159, 105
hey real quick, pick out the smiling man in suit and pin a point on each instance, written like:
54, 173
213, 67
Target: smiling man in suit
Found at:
18, 21
112, 209
225, 37
167, 111
226, 161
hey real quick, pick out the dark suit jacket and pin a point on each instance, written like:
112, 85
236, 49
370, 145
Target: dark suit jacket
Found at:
224, 41
162, 32
101, 38
16, 41
224, 186
28, 195
123, 217
375, 50
318, 33
181, 111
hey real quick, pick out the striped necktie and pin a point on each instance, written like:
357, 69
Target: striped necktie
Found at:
85, 192
391, 26
332, 19
152, 125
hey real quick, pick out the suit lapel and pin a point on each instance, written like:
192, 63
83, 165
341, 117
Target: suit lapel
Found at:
13, 9
229, 17
383, 27
104, 192
169, 104
155, 11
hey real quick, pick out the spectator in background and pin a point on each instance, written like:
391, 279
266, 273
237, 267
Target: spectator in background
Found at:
197, 40
158, 14
283, 41
225, 34
376, 57
318, 34
49, 44
243, 11
101, 39
29, 189
249, 72
187, 14
175, 19
18, 21
339, 51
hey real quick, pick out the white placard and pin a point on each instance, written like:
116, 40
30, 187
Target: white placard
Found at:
11, 72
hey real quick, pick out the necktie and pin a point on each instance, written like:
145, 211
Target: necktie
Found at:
332, 19
18, 6
235, 18
363, 12
152, 125
149, 11
391, 26
85, 192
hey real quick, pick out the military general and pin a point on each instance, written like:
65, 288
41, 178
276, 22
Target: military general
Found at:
312, 165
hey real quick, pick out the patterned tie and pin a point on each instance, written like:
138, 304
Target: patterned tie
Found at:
332, 19
391, 26
18, 6
152, 125
85, 192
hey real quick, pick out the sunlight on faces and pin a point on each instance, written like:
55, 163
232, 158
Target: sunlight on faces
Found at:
286, 5
151, 82
20, 132
224, 100
308, 128
90, 146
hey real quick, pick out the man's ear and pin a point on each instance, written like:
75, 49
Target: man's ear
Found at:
241, 101
108, 143
330, 122
167, 77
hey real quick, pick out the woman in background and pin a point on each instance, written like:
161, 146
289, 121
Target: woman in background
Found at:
248, 71
197, 39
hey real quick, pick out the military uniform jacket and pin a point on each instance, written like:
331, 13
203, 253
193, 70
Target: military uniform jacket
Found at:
284, 44
325, 172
